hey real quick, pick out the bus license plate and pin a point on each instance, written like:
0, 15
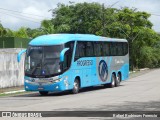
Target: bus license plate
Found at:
40, 88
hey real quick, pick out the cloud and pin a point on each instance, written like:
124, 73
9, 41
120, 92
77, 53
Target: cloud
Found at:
156, 22
152, 7
28, 15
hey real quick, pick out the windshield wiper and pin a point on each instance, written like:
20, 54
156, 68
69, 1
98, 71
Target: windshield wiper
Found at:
35, 68
45, 66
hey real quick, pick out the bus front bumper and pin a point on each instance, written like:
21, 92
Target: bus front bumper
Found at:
54, 87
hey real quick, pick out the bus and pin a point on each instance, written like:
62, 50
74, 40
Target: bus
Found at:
60, 62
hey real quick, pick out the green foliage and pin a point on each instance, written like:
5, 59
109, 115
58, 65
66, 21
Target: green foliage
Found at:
79, 18
94, 18
9, 33
3, 31
47, 27
32, 33
21, 33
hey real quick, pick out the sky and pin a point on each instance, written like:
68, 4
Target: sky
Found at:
29, 13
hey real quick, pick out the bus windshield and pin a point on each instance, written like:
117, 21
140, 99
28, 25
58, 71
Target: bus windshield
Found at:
43, 60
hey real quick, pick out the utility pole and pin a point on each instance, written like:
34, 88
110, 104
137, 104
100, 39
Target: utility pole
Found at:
103, 20
103, 17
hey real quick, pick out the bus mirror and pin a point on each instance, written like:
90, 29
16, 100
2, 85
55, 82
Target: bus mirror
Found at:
62, 54
20, 54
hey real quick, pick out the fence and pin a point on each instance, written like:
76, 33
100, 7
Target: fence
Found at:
13, 42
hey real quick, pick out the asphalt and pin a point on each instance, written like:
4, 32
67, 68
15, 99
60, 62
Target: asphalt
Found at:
140, 93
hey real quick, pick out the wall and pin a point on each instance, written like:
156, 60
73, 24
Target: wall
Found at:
11, 72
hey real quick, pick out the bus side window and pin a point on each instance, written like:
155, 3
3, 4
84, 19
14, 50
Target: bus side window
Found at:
113, 49
120, 49
80, 50
97, 49
68, 54
105, 48
89, 49
125, 48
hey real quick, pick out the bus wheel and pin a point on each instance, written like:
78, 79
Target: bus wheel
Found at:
43, 93
113, 80
118, 80
76, 86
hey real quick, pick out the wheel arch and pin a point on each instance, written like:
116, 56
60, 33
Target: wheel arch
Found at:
79, 79
120, 73
114, 73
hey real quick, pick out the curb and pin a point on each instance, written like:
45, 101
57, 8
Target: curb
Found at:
143, 69
10, 92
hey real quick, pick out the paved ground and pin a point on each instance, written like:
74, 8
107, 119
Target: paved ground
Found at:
139, 93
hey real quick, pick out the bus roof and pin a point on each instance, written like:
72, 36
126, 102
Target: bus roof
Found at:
56, 39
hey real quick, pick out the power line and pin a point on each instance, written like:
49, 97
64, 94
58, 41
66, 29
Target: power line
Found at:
20, 17
155, 14
113, 4
15, 14
20, 12
103, 16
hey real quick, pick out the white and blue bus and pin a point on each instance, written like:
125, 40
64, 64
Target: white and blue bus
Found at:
60, 62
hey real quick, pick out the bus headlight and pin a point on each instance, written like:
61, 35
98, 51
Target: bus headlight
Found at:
66, 81
27, 81
55, 81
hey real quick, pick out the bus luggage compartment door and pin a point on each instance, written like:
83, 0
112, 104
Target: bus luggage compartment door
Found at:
86, 77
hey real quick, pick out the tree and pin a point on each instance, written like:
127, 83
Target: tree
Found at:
94, 18
47, 27
3, 31
22, 32
78, 18
136, 28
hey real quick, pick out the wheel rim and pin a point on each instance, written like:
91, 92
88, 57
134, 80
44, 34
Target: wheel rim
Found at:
113, 81
118, 80
76, 86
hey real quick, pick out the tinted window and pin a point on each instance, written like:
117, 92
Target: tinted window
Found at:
68, 54
113, 49
80, 50
43, 61
89, 49
125, 48
97, 49
105, 48
120, 49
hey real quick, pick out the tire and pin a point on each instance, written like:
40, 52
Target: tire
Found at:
76, 86
113, 80
118, 80
43, 93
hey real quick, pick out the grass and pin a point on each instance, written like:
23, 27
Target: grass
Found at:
13, 94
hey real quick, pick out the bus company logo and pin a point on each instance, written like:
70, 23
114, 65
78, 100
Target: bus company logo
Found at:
43, 72
103, 70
